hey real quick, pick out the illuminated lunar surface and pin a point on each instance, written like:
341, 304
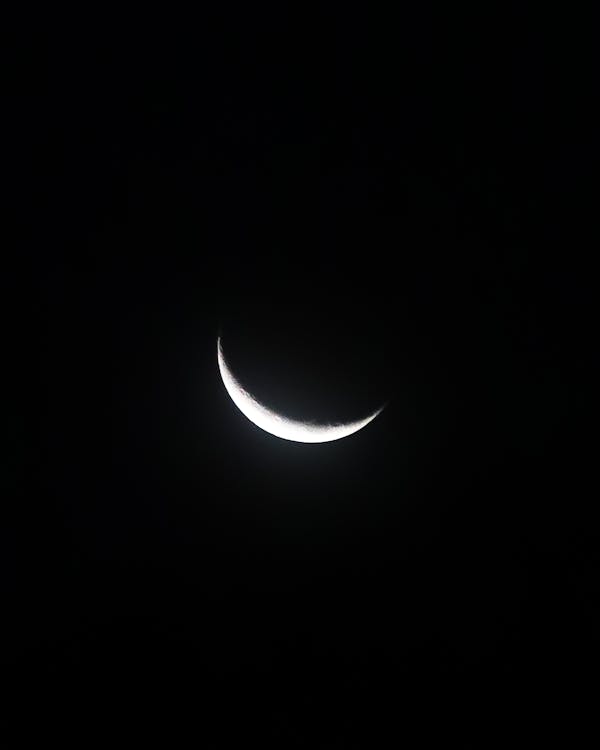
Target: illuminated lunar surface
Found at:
280, 426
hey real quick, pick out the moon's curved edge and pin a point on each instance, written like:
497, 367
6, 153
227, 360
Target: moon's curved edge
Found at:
275, 424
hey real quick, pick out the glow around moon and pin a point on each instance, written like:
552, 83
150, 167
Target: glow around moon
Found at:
275, 424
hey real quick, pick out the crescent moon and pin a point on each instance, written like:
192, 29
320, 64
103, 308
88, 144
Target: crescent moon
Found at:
275, 424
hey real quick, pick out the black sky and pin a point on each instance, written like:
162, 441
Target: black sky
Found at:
369, 209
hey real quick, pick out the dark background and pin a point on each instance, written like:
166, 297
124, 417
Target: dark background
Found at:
370, 208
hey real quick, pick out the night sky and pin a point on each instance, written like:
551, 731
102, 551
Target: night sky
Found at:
368, 208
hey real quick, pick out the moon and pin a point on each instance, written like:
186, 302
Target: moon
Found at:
278, 425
